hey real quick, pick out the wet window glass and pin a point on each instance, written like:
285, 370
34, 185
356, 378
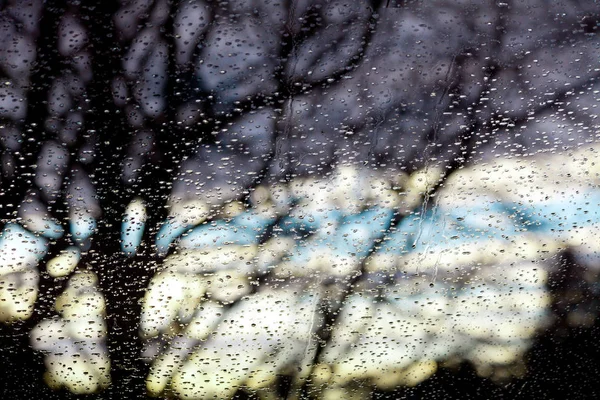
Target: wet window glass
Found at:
299, 199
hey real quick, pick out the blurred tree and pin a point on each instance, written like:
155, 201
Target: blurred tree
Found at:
169, 101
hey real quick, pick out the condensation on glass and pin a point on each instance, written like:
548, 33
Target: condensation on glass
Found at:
299, 199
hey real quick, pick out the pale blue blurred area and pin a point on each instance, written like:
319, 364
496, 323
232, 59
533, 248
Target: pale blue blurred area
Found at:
436, 228
348, 234
345, 236
244, 229
132, 232
52, 230
439, 229
17, 245
557, 218
298, 223
82, 227
356, 233
168, 232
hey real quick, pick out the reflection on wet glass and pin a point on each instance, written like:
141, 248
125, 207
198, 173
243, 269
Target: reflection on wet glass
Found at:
299, 199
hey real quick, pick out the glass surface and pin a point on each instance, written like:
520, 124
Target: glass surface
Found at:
299, 199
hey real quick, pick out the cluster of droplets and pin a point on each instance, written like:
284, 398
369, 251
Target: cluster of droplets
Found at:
242, 296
